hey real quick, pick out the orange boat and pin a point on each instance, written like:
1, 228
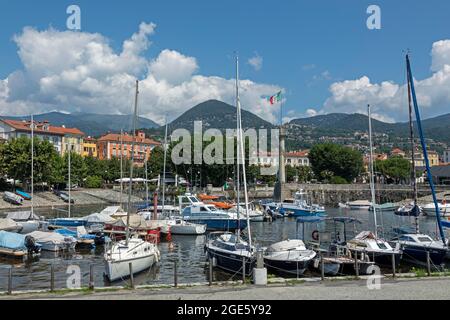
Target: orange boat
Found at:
221, 205
205, 197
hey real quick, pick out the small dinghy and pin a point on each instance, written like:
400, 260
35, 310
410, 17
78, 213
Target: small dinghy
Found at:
28, 220
409, 211
12, 198
18, 246
179, 226
23, 194
288, 257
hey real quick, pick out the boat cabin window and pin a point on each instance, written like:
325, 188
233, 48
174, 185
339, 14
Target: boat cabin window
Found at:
381, 245
203, 209
212, 208
288, 201
193, 199
406, 238
425, 239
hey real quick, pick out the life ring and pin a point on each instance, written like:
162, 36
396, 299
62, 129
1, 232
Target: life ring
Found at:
315, 235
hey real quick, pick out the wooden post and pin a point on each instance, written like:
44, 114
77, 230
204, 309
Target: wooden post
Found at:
393, 265
210, 272
243, 269
52, 278
322, 267
356, 265
10, 281
130, 265
91, 277
175, 275
428, 264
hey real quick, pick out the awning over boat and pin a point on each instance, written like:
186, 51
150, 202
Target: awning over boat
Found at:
12, 241
112, 210
22, 216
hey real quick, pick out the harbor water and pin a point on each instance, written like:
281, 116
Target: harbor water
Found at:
187, 251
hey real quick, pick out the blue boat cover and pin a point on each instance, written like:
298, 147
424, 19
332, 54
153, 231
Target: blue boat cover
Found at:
445, 224
310, 219
71, 233
12, 241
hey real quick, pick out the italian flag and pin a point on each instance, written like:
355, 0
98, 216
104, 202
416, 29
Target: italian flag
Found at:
275, 98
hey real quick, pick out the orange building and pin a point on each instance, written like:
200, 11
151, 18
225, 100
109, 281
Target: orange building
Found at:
114, 145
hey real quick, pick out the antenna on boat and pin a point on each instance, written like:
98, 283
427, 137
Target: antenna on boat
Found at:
372, 180
132, 161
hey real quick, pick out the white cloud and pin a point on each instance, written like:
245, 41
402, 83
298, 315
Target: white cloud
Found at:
388, 99
78, 71
256, 62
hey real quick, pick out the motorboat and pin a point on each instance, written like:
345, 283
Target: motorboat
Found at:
296, 207
149, 212
379, 250
289, 257
64, 196
386, 207
213, 218
410, 210
18, 246
27, 219
54, 242
179, 226
230, 253
12, 198
359, 205
84, 240
430, 209
417, 246
138, 253
10, 225
254, 214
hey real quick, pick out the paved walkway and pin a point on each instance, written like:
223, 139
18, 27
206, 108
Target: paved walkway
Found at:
403, 289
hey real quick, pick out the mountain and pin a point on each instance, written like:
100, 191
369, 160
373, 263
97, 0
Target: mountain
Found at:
340, 126
90, 123
218, 115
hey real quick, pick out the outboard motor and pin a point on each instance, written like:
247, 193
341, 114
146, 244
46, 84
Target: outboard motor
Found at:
31, 245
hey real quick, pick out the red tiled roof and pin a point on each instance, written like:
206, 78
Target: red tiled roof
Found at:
25, 126
114, 137
298, 154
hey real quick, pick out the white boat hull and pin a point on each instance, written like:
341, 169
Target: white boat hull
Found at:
120, 269
191, 229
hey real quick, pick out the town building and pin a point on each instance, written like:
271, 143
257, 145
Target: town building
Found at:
446, 156
61, 138
89, 147
397, 152
114, 145
297, 158
433, 157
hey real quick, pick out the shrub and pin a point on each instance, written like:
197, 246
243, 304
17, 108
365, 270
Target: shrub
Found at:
93, 182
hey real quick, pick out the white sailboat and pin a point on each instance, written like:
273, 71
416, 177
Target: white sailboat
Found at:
367, 242
132, 254
229, 251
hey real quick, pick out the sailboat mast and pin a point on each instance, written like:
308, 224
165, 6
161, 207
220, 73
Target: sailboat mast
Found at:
32, 164
69, 180
424, 149
164, 171
372, 180
132, 161
413, 156
238, 155
121, 166
241, 144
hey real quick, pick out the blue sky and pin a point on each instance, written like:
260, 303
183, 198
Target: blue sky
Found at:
305, 46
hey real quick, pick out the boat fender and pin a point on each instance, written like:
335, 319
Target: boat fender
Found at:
315, 235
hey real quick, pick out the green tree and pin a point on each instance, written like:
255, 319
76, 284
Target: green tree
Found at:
395, 169
330, 159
